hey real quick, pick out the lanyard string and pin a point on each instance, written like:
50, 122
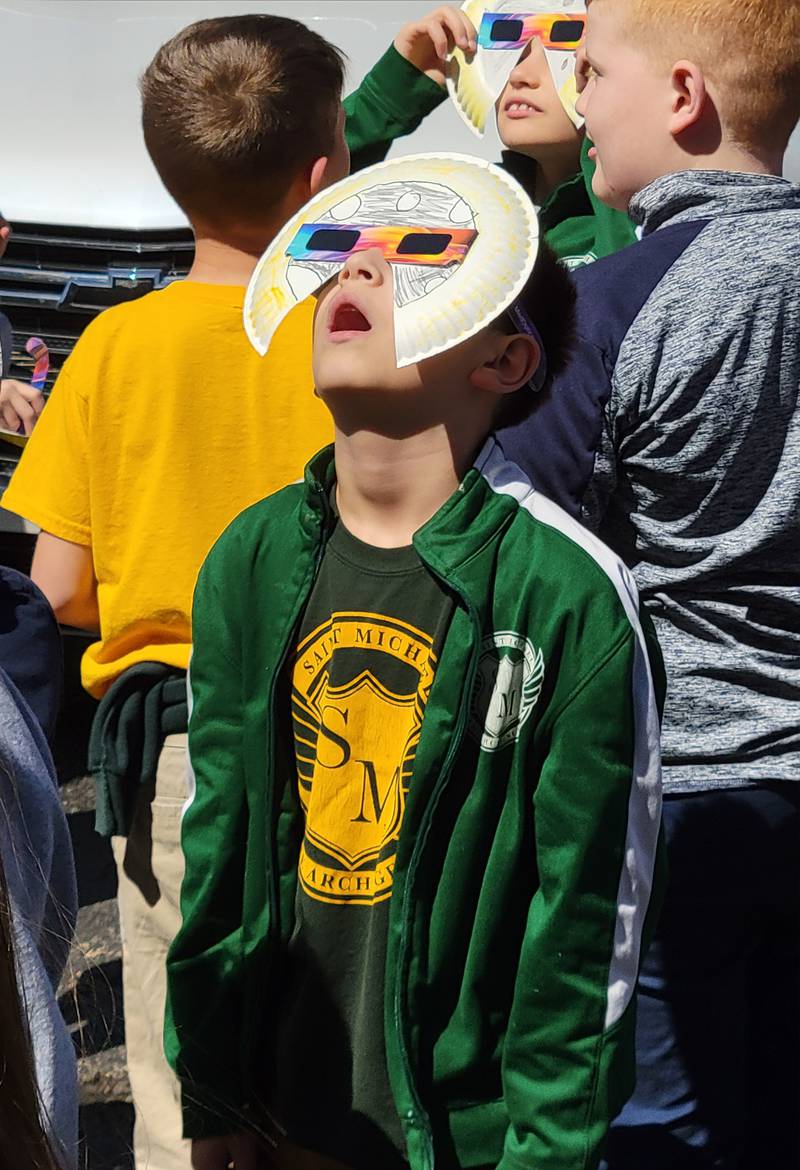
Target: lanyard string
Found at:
523, 322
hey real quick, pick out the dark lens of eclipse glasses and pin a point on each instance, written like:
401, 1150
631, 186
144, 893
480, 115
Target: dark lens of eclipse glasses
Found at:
506, 30
333, 240
423, 244
566, 32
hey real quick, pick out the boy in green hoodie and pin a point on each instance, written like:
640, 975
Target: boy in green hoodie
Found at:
545, 151
422, 831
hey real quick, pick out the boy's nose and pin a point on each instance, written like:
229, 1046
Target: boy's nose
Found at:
525, 72
582, 103
367, 266
520, 76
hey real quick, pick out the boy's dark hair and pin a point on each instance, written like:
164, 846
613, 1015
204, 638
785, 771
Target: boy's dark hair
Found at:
548, 299
234, 107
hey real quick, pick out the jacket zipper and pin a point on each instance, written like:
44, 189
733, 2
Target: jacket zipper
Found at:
249, 1103
270, 793
400, 1013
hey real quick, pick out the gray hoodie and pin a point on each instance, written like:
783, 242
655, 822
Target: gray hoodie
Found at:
675, 434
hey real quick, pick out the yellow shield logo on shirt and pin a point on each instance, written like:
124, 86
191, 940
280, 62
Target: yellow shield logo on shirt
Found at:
355, 746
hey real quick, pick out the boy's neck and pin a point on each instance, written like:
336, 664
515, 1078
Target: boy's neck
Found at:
553, 167
730, 157
387, 487
218, 263
229, 261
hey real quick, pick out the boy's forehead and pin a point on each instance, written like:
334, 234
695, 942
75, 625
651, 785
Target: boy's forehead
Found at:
613, 36
590, 34
593, 19
603, 24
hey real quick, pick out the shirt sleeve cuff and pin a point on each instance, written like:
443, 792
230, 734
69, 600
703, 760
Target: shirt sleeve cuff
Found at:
403, 91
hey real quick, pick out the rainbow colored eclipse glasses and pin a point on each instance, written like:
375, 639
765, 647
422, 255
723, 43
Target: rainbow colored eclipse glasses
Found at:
513, 30
435, 246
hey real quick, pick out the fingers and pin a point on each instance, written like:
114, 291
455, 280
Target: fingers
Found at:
427, 43
20, 406
466, 38
448, 26
5, 232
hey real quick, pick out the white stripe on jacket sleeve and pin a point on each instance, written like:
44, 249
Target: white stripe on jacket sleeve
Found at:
644, 804
191, 779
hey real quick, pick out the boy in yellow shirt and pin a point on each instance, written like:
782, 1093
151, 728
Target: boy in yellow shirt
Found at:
165, 424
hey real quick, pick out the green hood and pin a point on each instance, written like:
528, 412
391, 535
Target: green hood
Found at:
576, 225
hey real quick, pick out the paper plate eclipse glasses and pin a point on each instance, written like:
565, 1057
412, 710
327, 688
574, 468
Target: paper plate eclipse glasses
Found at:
460, 234
505, 28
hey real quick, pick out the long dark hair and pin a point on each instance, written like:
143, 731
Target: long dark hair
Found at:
23, 1141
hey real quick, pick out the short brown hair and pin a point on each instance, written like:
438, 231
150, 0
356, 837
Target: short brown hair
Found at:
748, 49
234, 107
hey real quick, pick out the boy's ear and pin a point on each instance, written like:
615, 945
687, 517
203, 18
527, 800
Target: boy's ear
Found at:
317, 176
515, 362
689, 96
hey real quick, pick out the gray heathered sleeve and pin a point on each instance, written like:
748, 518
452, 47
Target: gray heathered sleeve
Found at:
696, 484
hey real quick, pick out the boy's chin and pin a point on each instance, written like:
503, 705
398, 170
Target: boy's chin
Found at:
347, 373
611, 196
333, 390
378, 395
514, 136
535, 133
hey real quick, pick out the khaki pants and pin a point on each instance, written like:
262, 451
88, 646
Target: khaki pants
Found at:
150, 870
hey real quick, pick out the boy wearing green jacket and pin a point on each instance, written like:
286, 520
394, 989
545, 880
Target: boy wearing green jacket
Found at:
422, 830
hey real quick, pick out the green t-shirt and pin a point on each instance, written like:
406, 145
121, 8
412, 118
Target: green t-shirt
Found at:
366, 659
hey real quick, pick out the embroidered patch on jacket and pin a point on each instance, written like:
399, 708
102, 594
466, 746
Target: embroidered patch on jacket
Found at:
573, 262
507, 686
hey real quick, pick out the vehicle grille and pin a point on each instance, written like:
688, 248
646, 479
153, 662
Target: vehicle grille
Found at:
55, 280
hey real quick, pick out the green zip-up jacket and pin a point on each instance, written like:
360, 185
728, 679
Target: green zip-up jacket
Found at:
395, 95
524, 872
391, 101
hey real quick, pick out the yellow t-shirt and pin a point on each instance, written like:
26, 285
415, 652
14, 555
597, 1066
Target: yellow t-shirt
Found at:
163, 425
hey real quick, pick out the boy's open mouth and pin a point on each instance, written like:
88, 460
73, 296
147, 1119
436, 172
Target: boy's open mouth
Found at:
347, 319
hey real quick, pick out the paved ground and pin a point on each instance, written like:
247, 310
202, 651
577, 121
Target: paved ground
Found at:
91, 993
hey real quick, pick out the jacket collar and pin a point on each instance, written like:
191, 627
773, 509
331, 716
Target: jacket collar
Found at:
316, 514
465, 524
694, 195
